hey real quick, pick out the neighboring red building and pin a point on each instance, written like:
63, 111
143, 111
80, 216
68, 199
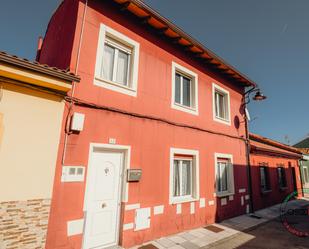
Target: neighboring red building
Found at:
274, 171
155, 100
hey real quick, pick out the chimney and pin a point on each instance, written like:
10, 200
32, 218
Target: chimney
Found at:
38, 51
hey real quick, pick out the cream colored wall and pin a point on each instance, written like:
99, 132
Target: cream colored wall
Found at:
31, 123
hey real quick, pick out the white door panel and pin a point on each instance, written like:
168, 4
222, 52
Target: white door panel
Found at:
103, 199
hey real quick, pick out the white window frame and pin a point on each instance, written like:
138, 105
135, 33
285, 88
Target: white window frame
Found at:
217, 88
305, 174
194, 94
105, 33
195, 176
230, 175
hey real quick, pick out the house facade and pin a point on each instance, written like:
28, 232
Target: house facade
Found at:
156, 142
303, 147
275, 171
31, 111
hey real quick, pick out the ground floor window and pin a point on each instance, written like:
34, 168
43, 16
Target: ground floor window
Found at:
224, 174
264, 178
184, 177
281, 177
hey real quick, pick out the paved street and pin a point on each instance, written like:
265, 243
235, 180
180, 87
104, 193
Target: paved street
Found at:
271, 235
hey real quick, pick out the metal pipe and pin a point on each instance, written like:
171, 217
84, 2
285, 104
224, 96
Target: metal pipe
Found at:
74, 85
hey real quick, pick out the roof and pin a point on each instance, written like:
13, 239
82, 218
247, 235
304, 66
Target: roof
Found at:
165, 27
303, 143
37, 67
266, 145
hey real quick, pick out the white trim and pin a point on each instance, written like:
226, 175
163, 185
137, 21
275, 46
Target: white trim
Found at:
126, 150
75, 227
306, 157
128, 226
211, 202
192, 207
98, 80
231, 187
158, 210
132, 206
178, 208
242, 190
178, 68
202, 202
224, 91
195, 174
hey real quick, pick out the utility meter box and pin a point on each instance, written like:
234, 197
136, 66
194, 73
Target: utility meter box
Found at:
134, 175
77, 122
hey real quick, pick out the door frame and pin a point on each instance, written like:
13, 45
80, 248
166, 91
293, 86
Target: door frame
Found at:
124, 189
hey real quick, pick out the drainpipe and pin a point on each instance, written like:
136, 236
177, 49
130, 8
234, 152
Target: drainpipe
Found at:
67, 133
251, 206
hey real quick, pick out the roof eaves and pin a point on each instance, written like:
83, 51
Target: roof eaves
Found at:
187, 41
35, 66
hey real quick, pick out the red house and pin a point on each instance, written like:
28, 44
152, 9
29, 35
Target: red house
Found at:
274, 171
154, 138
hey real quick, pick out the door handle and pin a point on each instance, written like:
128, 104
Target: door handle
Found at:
103, 205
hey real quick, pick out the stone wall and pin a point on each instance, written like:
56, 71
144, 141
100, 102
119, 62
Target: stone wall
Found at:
23, 224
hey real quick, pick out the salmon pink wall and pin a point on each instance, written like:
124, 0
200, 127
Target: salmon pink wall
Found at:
150, 140
276, 195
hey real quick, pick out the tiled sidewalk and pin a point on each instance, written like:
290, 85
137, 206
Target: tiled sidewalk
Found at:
214, 234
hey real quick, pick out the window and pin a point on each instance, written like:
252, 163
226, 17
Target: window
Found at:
264, 178
184, 89
224, 174
117, 62
221, 105
281, 177
305, 174
184, 181
182, 177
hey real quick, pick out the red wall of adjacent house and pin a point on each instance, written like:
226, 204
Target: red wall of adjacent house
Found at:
276, 195
150, 140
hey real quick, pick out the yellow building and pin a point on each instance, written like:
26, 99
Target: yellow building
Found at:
31, 114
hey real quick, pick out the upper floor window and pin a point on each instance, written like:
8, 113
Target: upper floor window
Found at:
184, 89
224, 174
264, 178
221, 104
281, 177
184, 176
117, 62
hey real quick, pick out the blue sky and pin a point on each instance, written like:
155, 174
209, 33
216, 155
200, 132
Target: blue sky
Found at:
268, 40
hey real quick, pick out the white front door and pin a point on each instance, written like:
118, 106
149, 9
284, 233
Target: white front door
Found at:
103, 199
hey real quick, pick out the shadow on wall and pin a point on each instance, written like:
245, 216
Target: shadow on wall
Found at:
236, 204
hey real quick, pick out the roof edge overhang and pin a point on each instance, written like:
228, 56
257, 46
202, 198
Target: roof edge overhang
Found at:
258, 150
22, 70
165, 27
271, 142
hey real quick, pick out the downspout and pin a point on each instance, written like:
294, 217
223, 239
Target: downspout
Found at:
249, 175
67, 133
248, 148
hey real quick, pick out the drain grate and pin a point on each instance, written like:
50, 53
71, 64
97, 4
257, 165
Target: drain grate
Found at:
214, 229
149, 246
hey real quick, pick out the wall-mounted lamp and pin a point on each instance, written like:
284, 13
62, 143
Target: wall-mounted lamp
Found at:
259, 96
